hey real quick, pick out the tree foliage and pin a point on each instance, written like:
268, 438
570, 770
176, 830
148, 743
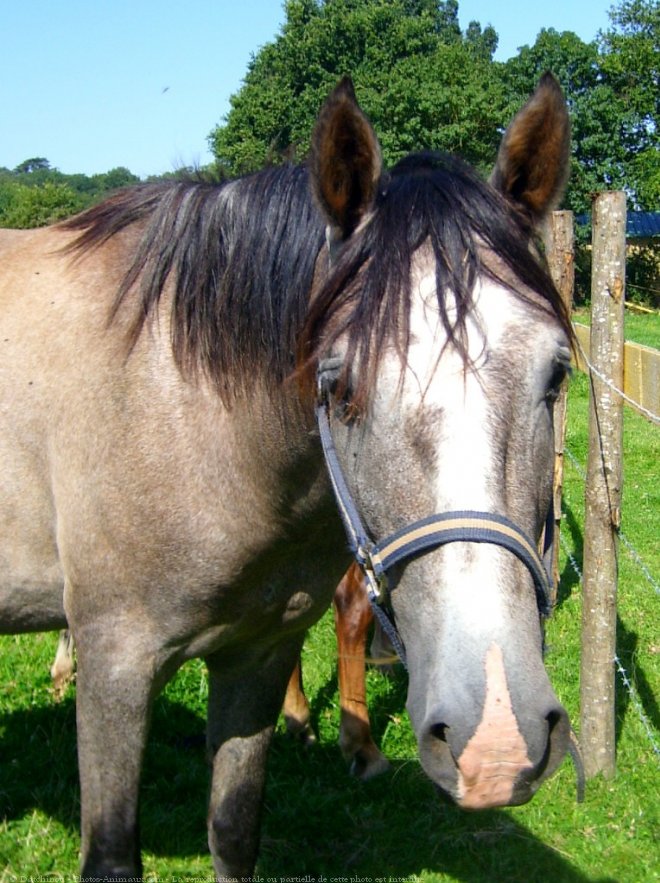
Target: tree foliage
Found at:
35, 164
22, 206
426, 85
34, 193
630, 60
423, 83
594, 107
613, 88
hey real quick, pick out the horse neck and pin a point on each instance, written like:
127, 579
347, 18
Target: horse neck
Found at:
277, 450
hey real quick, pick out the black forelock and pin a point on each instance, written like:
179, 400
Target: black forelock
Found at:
432, 200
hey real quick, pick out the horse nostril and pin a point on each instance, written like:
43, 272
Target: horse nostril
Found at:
439, 732
557, 741
436, 754
553, 718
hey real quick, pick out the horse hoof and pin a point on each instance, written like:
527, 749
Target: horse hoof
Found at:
302, 733
60, 685
367, 764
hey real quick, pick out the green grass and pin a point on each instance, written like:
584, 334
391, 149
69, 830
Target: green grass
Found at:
641, 328
317, 820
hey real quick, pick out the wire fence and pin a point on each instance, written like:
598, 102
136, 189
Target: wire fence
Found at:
631, 550
626, 680
650, 415
644, 288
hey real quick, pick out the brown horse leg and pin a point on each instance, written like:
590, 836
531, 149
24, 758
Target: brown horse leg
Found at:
353, 617
296, 708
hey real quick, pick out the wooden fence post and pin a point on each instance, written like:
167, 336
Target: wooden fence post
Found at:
560, 249
603, 486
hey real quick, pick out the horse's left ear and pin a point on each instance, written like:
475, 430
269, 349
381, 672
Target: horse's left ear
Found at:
345, 161
533, 160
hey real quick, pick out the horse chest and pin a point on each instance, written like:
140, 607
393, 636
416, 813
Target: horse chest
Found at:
265, 621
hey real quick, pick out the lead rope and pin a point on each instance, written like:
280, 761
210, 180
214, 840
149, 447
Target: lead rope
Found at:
576, 757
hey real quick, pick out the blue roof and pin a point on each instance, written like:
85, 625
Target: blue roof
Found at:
639, 225
643, 225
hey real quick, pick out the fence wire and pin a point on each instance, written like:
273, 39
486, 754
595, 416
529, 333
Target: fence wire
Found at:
626, 542
626, 680
654, 418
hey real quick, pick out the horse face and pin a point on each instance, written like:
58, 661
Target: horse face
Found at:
440, 437
458, 417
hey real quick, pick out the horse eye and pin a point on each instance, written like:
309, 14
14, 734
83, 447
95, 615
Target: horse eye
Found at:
337, 388
559, 373
329, 372
342, 401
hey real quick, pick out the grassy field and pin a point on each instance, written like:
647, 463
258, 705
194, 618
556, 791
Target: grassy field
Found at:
641, 328
317, 820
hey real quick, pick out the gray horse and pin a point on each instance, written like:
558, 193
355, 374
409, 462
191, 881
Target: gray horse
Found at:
164, 490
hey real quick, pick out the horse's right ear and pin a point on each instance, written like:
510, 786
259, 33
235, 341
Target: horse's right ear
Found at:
345, 161
533, 160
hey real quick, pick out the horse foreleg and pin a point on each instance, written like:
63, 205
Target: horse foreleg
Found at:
296, 708
243, 711
115, 685
353, 617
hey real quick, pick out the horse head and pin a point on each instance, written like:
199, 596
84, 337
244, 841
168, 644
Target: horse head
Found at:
447, 343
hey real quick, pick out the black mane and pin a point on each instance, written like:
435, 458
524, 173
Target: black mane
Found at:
242, 257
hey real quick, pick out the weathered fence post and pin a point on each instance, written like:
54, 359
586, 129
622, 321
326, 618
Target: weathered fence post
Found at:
603, 486
561, 261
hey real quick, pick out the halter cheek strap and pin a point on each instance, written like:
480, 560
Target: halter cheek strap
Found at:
377, 559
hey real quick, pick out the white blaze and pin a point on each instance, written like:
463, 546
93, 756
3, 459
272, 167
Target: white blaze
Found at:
465, 458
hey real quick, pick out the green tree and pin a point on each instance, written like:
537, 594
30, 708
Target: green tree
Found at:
630, 61
35, 164
423, 83
22, 206
597, 155
631, 55
35, 193
114, 179
613, 89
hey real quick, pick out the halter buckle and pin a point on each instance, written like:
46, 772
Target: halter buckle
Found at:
375, 578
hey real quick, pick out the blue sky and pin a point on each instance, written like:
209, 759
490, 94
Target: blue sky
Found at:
96, 84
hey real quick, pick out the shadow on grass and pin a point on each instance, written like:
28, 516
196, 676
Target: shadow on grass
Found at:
38, 763
320, 821
317, 820
626, 639
569, 579
626, 642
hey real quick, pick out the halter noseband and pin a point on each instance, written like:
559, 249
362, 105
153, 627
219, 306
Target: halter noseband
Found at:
376, 559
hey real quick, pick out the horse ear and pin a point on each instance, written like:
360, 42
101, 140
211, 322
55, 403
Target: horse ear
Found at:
533, 160
345, 161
